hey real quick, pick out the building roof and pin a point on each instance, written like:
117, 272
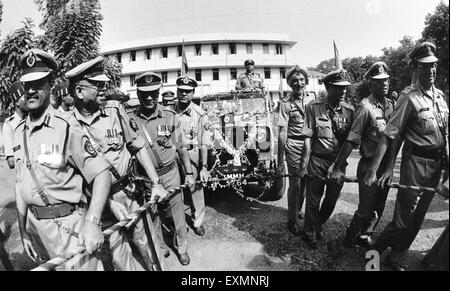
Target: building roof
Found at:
190, 39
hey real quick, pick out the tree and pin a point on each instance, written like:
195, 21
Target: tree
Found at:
12, 48
73, 32
436, 30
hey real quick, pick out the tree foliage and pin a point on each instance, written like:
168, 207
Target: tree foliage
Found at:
11, 49
436, 30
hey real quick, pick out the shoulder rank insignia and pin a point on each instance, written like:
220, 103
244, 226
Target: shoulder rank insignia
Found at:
133, 124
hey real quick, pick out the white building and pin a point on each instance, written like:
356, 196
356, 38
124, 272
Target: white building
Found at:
214, 60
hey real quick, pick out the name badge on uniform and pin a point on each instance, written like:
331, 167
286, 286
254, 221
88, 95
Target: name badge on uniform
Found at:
16, 148
379, 118
323, 119
424, 109
50, 155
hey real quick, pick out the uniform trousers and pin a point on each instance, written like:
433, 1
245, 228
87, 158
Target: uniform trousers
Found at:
296, 189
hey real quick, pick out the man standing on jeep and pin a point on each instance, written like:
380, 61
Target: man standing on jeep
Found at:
291, 140
250, 81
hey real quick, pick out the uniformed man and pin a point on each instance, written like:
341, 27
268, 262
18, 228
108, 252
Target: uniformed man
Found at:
290, 139
61, 93
420, 118
53, 156
250, 81
161, 128
370, 121
116, 138
327, 125
168, 99
16, 93
195, 126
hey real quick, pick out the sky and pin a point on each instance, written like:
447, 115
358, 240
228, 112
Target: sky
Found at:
359, 27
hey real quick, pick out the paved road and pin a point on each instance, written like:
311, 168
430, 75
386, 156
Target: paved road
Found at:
244, 235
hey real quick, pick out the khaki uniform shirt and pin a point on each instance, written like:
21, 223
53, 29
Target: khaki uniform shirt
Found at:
162, 134
8, 133
195, 126
370, 121
252, 81
292, 114
418, 116
113, 132
59, 151
327, 128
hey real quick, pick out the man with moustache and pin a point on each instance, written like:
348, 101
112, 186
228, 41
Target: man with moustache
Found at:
162, 131
290, 139
195, 127
53, 156
327, 125
370, 121
250, 81
420, 119
116, 138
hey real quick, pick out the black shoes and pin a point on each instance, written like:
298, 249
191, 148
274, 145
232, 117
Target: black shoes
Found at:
184, 259
293, 228
199, 230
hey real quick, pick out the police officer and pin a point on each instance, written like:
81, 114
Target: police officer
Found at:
53, 156
290, 139
16, 93
65, 100
116, 138
250, 81
168, 99
370, 121
420, 118
195, 126
161, 128
327, 125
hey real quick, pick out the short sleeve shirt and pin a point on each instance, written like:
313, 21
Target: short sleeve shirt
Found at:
327, 127
292, 114
252, 81
8, 133
162, 134
59, 152
370, 121
195, 126
417, 117
111, 133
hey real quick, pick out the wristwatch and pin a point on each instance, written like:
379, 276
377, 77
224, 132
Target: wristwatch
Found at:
94, 220
158, 181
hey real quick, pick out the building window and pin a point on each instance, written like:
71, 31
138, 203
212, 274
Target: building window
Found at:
132, 56
164, 77
119, 57
232, 47
215, 74
233, 73
198, 49
148, 54
180, 50
320, 81
132, 79
266, 73
249, 47
265, 48
283, 73
164, 52
198, 75
215, 49
179, 73
279, 48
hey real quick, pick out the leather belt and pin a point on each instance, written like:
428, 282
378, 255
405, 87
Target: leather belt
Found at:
119, 184
54, 211
424, 152
164, 170
328, 157
296, 137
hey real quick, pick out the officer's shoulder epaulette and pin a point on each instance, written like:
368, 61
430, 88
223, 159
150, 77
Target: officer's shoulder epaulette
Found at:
66, 117
112, 104
198, 109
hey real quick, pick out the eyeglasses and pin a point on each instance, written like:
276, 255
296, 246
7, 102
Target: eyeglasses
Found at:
96, 85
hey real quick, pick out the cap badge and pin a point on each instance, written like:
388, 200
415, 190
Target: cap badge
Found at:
31, 60
342, 74
186, 80
148, 79
380, 70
